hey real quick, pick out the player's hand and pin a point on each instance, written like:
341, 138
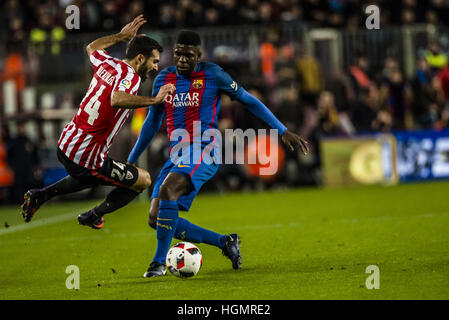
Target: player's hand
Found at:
130, 30
291, 140
164, 91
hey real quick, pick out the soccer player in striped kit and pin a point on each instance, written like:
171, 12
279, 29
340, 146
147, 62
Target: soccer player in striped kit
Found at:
196, 98
85, 141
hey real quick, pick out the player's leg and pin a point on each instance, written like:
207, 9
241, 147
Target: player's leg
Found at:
122, 195
130, 181
187, 231
173, 187
155, 268
198, 175
154, 210
35, 198
78, 179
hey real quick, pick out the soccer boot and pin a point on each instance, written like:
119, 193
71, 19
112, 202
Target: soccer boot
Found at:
32, 202
155, 270
231, 250
90, 219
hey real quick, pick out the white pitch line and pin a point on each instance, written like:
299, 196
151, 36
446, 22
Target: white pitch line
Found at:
41, 222
85, 238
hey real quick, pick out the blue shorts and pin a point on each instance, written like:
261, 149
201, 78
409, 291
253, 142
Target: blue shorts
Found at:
196, 173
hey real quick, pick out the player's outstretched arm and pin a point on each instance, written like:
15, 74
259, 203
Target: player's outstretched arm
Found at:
150, 127
121, 99
234, 91
127, 33
262, 112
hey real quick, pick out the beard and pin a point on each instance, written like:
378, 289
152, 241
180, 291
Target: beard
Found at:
143, 71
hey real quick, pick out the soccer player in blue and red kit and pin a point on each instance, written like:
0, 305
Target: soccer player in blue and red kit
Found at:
196, 98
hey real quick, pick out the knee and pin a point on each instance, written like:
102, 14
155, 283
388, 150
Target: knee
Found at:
143, 182
146, 180
173, 187
167, 192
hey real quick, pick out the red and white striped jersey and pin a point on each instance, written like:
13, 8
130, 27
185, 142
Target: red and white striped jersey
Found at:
87, 138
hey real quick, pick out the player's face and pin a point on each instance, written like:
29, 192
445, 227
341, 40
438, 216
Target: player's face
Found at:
149, 66
185, 58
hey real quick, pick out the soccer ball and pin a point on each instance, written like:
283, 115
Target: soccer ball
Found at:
184, 260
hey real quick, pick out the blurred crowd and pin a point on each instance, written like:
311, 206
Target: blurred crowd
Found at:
20, 17
310, 99
360, 99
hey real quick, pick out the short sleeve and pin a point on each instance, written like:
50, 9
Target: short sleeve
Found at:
128, 82
226, 84
98, 57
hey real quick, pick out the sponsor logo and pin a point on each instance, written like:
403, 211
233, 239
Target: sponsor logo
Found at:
183, 99
126, 83
164, 226
183, 236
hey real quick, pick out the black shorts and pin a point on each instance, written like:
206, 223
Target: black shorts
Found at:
112, 173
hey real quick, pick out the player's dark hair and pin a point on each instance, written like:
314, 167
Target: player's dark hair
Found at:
142, 45
189, 38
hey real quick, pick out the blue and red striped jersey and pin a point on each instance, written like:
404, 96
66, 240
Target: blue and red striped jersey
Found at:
197, 96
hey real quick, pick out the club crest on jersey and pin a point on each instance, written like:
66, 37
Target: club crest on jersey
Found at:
197, 84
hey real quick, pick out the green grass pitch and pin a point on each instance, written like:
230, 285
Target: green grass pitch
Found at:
297, 244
